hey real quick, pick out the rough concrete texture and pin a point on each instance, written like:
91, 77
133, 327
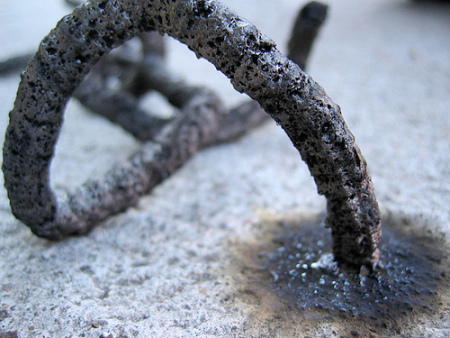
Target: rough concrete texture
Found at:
167, 267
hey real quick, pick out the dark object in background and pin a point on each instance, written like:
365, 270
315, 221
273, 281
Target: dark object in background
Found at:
306, 27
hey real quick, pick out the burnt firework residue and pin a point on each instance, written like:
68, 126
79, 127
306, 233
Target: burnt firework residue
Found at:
302, 273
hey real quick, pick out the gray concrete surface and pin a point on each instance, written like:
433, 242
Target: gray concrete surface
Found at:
166, 267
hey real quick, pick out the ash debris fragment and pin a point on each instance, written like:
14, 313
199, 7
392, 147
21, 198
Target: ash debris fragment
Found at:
306, 27
254, 66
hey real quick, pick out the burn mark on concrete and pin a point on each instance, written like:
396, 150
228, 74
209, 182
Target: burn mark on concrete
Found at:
301, 290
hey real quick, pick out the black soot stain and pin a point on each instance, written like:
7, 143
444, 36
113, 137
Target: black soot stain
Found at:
292, 262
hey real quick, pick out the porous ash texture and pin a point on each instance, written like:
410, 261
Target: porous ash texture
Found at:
164, 268
254, 66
